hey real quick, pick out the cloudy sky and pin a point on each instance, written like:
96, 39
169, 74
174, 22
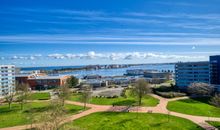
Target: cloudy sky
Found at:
54, 33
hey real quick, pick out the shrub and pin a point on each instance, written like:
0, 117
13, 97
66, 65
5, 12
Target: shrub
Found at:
170, 94
200, 89
215, 100
163, 89
115, 96
123, 93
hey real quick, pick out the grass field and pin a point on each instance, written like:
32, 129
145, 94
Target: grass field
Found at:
131, 121
40, 96
120, 101
215, 124
196, 106
16, 116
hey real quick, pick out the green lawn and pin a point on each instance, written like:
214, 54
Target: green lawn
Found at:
120, 101
130, 121
40, 96
16, 116
196, 106
214, 123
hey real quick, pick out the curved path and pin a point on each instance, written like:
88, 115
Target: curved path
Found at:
160, 108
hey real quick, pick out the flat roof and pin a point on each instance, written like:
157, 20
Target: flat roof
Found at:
22, 75
47, 77
7, 65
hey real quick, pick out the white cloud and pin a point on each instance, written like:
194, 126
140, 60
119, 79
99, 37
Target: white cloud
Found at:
14, 57
37, 55
70, 56
56, 56
26, 57
111, 57
91, 54
194, 47
122, 56
32, 57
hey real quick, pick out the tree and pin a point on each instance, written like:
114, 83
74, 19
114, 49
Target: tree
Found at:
30, 115
200, 89
51, 119
22, 90
72, 81
123, 93
10, 97
64, 93
216, 100
86, 94
140, 89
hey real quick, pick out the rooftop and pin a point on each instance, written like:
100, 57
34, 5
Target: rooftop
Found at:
47, 77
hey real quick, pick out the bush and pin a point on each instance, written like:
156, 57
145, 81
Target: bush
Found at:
200, 89
164, 89
170, 94
115, 96
123, 93
215, 100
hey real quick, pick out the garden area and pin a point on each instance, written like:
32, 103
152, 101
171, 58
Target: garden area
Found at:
168, 91
17, 116
131, 121
194, 106
126, 100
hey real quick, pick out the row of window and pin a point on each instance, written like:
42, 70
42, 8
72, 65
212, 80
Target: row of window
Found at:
203, 65
192, 79
6, 67
47, 81
188, 83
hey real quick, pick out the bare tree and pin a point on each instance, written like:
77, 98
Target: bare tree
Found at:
140, 89
9, 98
200, 89
23, 90
64, 93
86, 94
51, 119
31, 115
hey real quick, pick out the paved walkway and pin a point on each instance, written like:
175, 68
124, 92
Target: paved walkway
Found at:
160, 108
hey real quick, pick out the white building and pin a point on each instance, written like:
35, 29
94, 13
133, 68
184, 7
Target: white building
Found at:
7, 79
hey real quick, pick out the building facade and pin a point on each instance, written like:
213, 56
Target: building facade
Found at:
190, 72
7, 79
138, 72
46, 82
42, 81
214, 69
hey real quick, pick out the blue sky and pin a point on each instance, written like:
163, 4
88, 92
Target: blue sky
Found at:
54, 32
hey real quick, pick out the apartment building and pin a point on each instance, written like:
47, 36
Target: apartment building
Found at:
190, 72
7, 79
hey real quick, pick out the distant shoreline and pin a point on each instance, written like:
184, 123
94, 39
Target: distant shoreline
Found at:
66, 69
81, 66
